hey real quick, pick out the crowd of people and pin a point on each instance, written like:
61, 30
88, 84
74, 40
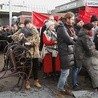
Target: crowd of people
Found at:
71, 40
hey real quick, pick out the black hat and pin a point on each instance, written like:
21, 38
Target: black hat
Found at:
27, 21
94, 18
88, 26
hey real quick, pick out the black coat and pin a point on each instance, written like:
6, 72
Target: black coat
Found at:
41, 37
77, 29
83, 47
65, 47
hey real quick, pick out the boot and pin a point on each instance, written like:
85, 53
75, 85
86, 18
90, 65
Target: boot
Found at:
68, 87
66, 92
27, 85
37, 84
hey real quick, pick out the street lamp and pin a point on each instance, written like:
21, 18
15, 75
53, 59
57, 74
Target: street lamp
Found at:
10, 13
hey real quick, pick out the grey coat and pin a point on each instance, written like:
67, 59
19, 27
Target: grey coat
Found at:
83, 47
86, 55
65, 47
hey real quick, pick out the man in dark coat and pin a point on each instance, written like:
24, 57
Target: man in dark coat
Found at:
78, 25
85, 53
84, 44
65, 40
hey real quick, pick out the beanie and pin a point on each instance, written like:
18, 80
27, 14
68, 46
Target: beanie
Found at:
94, 18
27, 21
88, 26
49, 23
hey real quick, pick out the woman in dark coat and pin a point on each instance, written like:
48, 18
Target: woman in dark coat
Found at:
65, 36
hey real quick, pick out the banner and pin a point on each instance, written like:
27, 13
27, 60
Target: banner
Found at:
39, 18
86, 14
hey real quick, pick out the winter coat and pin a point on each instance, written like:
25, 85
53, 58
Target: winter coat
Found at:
96, 37
83, 47
65, 47
50, 42
77, 29
41, 37
32, 36
86, 54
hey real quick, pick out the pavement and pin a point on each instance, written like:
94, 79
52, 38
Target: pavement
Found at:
48, 90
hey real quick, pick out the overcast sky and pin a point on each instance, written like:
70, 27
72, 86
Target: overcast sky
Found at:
48, 3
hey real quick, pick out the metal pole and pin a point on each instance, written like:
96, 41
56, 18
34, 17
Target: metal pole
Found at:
10, 13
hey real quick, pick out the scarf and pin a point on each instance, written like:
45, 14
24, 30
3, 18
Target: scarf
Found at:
70, 29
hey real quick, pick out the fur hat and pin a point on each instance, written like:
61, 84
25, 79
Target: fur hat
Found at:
94, 18
49, 23
88, 26
27, 21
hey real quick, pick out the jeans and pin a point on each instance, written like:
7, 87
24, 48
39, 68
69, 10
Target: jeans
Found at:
63, 79
75, 72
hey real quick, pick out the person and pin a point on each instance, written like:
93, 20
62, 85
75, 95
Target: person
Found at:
50, 47
94, 22
65, 40
32, 35
78, 25
86, 54
96, 38
29, 34
50, 18
75, 70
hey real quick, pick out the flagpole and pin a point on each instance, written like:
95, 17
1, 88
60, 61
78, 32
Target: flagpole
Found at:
10, 13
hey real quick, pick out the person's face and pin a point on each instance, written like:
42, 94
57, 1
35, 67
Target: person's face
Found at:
81, 23
51, 18
52, 27
21, 25
28, 25
71, 20
95, 23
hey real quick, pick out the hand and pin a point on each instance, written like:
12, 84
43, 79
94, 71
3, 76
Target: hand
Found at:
21, 36
27, 43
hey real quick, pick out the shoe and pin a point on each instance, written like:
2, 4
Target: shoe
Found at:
68, 87
69, 92
37, 84
66, 92
76, 88
27, 85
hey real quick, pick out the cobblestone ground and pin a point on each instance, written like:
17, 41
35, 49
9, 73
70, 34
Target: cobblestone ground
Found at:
48, 89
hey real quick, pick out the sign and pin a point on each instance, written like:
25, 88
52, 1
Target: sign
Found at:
92, 2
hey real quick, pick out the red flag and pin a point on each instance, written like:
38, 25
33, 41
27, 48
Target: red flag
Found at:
86, 14
38, 19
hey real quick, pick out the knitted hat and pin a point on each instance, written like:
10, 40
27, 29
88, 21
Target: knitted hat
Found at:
27, 21
94, 18
49, 23
88, 26
77, 20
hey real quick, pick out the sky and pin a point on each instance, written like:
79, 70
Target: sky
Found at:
46, 3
